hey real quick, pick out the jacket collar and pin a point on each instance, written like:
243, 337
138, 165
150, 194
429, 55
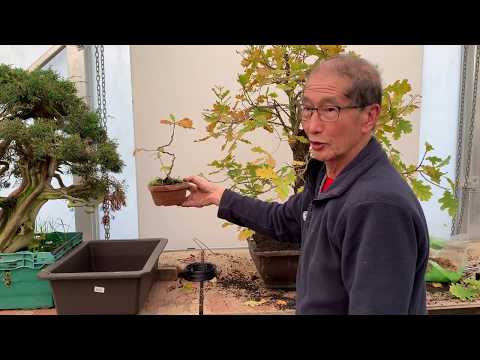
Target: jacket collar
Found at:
315, 172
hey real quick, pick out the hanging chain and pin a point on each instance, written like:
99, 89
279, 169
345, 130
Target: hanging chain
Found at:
470, 132
466, 185
460, 136
102, 112
104, 96
99, 92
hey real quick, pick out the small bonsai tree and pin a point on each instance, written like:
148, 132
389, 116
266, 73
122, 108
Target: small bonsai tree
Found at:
47, 132
160, 152
271, 89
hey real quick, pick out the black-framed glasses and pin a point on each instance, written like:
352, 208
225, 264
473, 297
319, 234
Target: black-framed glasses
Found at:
328, 113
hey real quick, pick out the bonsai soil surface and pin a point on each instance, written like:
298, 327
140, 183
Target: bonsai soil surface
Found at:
265, 243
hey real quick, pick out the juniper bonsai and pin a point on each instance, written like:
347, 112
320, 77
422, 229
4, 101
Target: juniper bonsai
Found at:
46, 133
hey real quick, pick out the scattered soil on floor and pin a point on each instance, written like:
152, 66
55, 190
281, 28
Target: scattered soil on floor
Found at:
237, 276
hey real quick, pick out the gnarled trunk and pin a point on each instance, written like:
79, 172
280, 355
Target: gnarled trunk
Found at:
17, 225
23, 224
300, 153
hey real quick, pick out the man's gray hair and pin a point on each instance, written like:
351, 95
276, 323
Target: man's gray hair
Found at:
366, 86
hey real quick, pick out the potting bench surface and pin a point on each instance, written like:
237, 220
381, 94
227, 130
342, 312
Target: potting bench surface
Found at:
238, 290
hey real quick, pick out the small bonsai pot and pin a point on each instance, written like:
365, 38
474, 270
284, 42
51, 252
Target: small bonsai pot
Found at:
168, 195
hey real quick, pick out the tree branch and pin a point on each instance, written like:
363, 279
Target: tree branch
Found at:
279, 116
4, 147
24, 184
431, 182
268, 107
6, 167
76, 201
418, 167
70, 193
59, 179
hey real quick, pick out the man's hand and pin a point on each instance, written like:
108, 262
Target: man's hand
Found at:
202, 192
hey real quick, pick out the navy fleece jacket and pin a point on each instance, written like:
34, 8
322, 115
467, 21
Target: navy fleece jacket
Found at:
364, 242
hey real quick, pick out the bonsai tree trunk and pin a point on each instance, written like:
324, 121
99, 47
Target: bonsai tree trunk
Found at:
21, 207
300, 153
18, 230
17, 223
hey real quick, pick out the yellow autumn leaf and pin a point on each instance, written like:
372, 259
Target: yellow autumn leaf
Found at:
253, 303
258, 149
187, 286
262, 71
245, 234
298, 163
282, 190
332, 50
281, 302
168, 122
277, 54
211, 126
437, 285
185, 123
266, 173
268, 128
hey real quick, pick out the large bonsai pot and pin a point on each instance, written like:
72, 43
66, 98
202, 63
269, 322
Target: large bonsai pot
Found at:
277, 268
105, 276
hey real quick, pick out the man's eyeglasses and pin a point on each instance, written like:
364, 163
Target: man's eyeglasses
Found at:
328, 113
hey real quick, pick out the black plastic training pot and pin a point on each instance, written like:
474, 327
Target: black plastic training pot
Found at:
277, 269
104, 276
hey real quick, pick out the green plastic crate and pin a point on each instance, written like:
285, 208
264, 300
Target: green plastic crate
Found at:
20, 287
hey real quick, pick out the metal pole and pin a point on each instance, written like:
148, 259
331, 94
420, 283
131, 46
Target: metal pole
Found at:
80, 72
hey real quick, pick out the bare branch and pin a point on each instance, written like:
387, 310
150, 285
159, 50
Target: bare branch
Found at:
60, 194
59, 179
279, 116
418, 167
171, 137
173, 162
431, 182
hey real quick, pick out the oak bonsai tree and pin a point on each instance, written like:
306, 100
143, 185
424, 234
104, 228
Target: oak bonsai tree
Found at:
47, 132
272, 83
168, 189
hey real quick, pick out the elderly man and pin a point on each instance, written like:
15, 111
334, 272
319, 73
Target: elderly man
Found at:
363, 234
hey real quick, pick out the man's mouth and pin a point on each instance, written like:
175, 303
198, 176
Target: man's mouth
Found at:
317, 145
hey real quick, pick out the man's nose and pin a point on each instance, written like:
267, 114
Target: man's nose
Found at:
315, 125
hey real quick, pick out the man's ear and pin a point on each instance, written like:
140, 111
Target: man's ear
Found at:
371, 115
